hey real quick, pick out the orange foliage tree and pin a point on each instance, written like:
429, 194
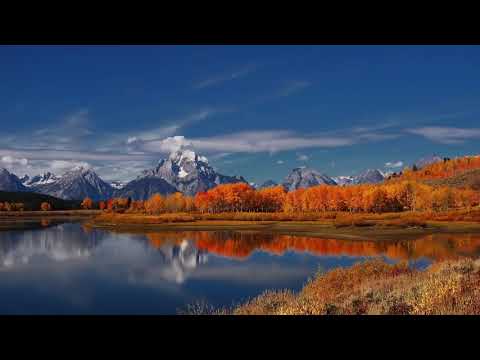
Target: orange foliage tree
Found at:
87, 203
102, 205
393, 196
442, 169
45, 206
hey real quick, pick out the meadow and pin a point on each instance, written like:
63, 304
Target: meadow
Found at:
371, 288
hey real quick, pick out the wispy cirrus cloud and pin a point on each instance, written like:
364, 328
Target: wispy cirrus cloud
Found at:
303, 157
394, 164
71, 142
166, 131
225, 77
284, 90
248, 142
71, 130
293, 87
446, 135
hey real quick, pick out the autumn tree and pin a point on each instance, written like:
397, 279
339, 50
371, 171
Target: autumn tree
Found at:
45, 206
175, 203
155, 205
87, 203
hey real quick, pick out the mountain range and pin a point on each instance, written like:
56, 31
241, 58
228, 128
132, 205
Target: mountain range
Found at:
10, 182
183, 170
78, 183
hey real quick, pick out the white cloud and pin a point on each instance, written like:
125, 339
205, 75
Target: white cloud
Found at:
70, 143
62, 166
168, 130
302, 157
250, 142
446, 135
132, 139
172, 144
280, 162
10, 160
52, 154
394, 164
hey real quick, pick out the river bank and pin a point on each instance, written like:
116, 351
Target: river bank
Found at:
372, 288
368, 228
23, 220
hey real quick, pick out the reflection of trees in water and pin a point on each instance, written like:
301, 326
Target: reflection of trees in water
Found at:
243, 244
181, 252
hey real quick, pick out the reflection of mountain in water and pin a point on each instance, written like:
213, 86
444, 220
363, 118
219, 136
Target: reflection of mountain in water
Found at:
69, 242
59, 243
182, 258
173, 256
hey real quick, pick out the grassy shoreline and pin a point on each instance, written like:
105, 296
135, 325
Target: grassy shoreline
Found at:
52, 213
371, 229
372, 288
28, 220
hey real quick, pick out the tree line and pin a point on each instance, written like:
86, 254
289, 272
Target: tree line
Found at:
442, 169
396, 196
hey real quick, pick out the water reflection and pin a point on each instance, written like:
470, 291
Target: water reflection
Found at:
70, 242
184, 251
241, 245
69, 269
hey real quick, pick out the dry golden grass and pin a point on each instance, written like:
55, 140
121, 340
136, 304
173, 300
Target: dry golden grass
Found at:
375, 287
356, 224
53, 213
115, 218
339, 219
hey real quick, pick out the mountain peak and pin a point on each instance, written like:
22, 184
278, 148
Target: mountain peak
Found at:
186, 154
184, 170
304, 177
45, 178
76, 184
369, 176
81, 169
10, 182
427, 160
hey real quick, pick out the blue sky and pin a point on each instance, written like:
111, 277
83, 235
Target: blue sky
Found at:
256, 111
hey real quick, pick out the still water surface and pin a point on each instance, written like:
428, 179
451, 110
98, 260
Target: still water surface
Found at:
67, 269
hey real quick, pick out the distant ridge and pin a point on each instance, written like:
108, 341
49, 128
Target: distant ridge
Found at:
10, 182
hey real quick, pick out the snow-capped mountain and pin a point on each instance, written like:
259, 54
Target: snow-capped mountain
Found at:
267, 184
343, 180
304, 177
184, 170
46, 178
76, 184
10, 182
427, 161
370, 176
24, 178
117, 185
